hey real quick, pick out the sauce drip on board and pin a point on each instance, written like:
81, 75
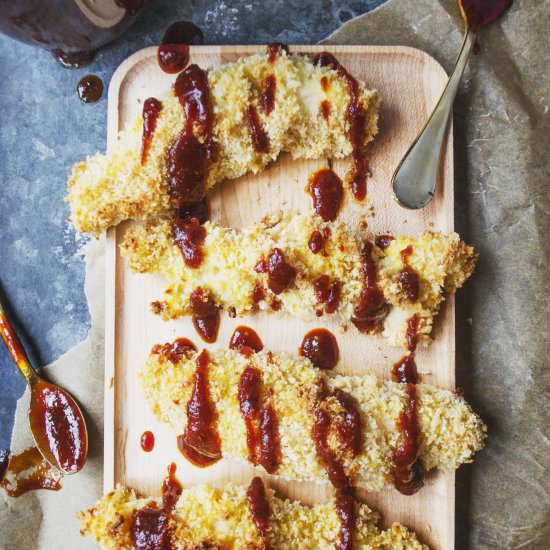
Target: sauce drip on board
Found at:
189, 157
200, 443
274, 51
345, 508
321, 348
189, 235
151, 110
356, 118
260, 140
372, 308
262, 426
259, 509
408, 474
174, 351
74, 60
90, 88
328, 292
147, 441
38, 474
173, 53
478, 13
408, 278
280, 274
268, 97
150, 528
326, 190
206, 316
57, 424
244, 339
383, 241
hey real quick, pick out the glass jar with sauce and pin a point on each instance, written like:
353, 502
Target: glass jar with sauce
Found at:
71, 29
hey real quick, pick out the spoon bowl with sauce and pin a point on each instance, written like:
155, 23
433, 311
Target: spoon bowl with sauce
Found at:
55, 419
415, 179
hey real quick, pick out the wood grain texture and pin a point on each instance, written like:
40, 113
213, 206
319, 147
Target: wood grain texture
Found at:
410, 82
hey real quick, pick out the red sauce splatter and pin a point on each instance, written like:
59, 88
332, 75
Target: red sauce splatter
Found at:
276, 304
261, 266
173, 53
268, 97
345, 508
262, 426
324, 109
177, 349
328, 292
151, 110
189, 236
258, 294
206, 316
324, 83
405, 254
408, 278
480, 13
321, 348
150, 528
189, 157
316, 243
412, 332
58, 425
246, 337
147, 441
280, 274
38, 474
383, 241
274, 51
199, 210
372, 307
200, 443
326, 190
259, 509
260, 140
90, 88
404, 370
356, 118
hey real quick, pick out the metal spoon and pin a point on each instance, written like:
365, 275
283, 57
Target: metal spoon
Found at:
415, 179
56, 421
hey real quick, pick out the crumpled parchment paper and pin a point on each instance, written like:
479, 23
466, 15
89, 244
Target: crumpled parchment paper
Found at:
501, 137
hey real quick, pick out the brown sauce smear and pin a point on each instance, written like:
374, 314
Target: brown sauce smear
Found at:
316, 243
189, 235
276, 304
479, 14
280, 274
259, 509
38, 474
200, 443
147, 441
246, 339
328, 292
321, 348
326, 190
268, 97
258, 294
408, 278
383, 241
90, 88
150, 528
260, 140
412, 332
274, 51
57, 422
206, 316
372, 307
345, 508
189, 157
174, 351
173, 53
324, 109
151, 110
356, 117
262, 425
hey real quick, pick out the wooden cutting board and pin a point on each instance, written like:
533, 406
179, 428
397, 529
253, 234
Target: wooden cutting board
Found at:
410, 82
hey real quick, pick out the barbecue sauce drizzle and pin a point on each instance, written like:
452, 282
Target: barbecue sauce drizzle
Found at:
345, 508
173, 53
260, 140
147, 441
200, 443
246, 340
326, 190
321, 348
408, 474
150, 527
151, 110
189, 235
356, 120
280, 274
206, 316
259, 509
262, 425
174, 351
408, 277
372, 307
328, 292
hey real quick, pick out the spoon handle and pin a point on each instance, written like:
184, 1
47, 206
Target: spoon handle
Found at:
16, 348
415, 178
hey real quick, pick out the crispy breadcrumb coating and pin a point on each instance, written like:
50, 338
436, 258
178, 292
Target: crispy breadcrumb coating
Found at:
105, 190
450, 431
227, 273
209, 517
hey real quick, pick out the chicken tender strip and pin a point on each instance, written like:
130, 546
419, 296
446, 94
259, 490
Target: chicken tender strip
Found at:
208, 517
107, 189
450, 431
228, 275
